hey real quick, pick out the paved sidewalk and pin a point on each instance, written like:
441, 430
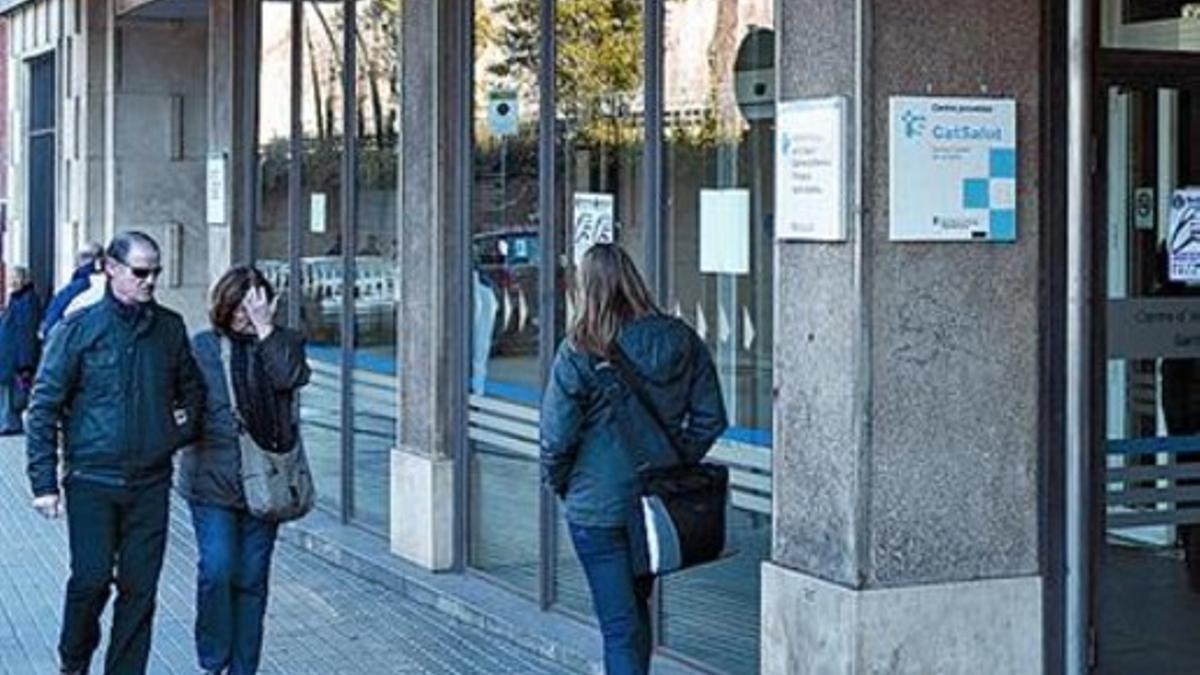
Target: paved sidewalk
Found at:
321, 619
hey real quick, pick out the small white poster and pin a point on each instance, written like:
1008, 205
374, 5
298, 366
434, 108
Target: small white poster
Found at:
810, 169
215, 189
593, 221
318, 209
1183, 241
725, 231
953, 169
502, 112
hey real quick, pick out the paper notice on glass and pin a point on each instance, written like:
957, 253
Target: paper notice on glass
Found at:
317, 212
215, 189
725, 231
810, 170
593, 221
1183, 240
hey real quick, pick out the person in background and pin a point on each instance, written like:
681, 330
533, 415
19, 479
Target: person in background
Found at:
19, 348
85, 287
267, 365
586, 450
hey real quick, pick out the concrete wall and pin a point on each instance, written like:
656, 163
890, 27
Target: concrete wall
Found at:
161, 96
35, 29
906, 417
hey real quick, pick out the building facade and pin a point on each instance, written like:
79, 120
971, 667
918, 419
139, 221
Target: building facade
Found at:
949, 450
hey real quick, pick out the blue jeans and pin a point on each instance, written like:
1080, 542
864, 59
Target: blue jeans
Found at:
622, 602
231, 592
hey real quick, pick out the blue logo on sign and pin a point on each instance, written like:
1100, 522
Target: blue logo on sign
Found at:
914, 124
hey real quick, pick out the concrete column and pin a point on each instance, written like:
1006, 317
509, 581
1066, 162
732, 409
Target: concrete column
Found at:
430, 326
221, 114
906, 424
160, 140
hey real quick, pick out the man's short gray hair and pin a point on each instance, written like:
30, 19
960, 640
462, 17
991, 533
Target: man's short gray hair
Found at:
119, 247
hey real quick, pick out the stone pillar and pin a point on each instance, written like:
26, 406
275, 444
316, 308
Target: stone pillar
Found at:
431, 303
223, 51
906, 462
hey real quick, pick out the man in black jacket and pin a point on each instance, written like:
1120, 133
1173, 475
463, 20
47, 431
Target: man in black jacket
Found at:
119, 379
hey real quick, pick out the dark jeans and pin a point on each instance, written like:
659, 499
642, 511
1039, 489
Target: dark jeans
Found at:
12, 404
231, 592
109, 527
622, 602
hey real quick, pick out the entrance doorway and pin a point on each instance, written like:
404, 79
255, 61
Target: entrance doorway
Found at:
1146, 476
42, 163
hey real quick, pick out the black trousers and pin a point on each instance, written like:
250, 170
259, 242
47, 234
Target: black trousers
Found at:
121, 530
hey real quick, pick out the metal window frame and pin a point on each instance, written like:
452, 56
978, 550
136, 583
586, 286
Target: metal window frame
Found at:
548, 304
349, 209
295, 168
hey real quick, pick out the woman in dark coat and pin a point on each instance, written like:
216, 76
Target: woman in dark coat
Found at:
19, 349
268, 368
587, 448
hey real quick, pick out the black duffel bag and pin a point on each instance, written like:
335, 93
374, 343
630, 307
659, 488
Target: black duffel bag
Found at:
679, 519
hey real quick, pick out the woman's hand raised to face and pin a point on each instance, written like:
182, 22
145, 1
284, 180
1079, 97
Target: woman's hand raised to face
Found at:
260, 311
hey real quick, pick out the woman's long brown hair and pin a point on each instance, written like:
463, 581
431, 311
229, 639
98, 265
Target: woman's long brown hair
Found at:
610, 294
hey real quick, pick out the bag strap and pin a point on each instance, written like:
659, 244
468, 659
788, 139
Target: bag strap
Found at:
226, 365
633, 381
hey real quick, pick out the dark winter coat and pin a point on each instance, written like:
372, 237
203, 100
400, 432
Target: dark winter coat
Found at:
273, 372
81, 280
122, 385
19, 344
586, 439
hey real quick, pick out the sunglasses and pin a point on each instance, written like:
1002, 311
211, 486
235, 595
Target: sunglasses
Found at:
143, 272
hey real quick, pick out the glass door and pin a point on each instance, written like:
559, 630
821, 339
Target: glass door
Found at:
1148, 462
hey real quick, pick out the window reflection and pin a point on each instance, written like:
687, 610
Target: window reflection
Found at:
719, 127
505, 254
1170, 25
376, 271
598, 152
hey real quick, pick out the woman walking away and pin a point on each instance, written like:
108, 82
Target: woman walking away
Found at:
586, 448
19, 349
266, 367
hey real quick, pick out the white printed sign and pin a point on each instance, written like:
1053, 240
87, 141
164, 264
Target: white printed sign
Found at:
318, 209
593, 221
725, 231
1183, 241
810, 168
215, 189
953, 171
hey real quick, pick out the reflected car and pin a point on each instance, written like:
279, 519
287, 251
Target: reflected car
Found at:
506, 262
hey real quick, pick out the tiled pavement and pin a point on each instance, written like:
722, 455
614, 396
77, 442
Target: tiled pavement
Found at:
321, 619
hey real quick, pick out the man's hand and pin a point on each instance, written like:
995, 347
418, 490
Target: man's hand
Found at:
49, 506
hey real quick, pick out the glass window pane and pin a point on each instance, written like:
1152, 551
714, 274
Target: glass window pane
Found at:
505, 254
375, 298
598, 156
320, 400
1160, 25
719, 139
320, 262
1149, 562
